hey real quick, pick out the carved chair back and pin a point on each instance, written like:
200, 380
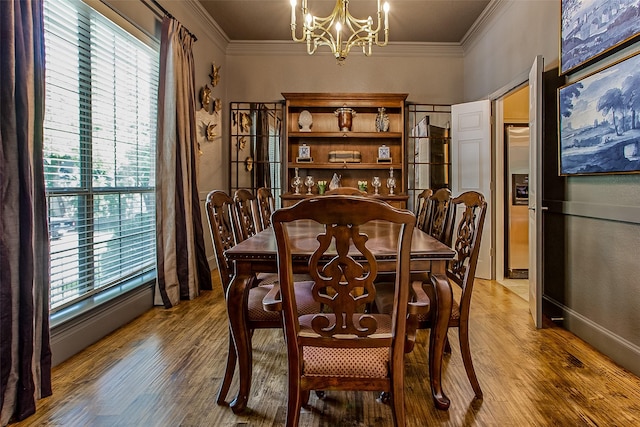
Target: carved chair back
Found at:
342, 347
219, 207
246, 211
266, 206
347, 191
439, 218
422, 206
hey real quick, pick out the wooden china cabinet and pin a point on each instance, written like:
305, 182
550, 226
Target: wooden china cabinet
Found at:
315, 145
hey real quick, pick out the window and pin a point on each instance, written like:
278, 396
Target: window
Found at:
99, 142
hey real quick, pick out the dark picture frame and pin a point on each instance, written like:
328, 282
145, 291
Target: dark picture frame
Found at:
599, 121
592, 29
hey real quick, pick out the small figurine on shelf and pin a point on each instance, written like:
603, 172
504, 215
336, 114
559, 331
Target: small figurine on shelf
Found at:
391, 181
335, 182
376, 184
309, 182
296, 182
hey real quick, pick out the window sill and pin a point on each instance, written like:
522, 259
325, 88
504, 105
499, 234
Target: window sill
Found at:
97, 301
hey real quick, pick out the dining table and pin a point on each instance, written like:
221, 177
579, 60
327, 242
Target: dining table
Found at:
258, 254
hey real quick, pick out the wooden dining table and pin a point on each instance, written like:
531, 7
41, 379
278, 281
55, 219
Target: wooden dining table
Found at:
258, 254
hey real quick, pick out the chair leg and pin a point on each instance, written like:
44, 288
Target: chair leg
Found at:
304, 399
463, 335
447, 345
397, 403
295, 396
232, 357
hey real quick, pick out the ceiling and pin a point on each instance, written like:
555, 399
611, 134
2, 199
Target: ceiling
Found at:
435, 21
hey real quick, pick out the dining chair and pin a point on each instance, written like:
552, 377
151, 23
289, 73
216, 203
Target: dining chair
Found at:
439, 216
461, 271
266, 206
246, 211
347, 191
219, 206
422, 206
342, 347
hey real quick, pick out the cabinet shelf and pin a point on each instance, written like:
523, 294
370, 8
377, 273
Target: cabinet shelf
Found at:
338, 166
325, 139
368, 135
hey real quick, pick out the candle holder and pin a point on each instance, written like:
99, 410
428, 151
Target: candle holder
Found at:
296, 182
309, 182
376, 184
391, 182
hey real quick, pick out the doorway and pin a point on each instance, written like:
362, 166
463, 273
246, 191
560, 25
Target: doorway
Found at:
512, 164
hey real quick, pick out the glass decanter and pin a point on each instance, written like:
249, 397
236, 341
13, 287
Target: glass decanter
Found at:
376, 184
309, 182
391, 182
296, 182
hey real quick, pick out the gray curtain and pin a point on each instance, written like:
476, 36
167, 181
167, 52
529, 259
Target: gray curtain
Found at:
25, 353
181, 259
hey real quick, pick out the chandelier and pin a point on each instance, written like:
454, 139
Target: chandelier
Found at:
340, 31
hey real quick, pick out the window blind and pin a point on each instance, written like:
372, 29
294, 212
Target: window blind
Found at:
99, 142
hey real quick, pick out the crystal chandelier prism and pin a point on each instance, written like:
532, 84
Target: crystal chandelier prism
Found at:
340, 31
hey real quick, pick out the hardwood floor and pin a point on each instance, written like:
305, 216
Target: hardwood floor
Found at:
164, 368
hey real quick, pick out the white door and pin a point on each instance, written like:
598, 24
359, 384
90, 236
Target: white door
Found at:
471, 166
535, 187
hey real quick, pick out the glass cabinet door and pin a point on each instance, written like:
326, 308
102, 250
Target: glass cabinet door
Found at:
427, 148
256, 147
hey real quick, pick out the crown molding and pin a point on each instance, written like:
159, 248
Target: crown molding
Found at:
210, 27
284, 48
494, 9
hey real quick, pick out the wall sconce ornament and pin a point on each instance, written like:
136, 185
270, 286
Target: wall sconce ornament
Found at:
248, 163
205, 97
245, 122
215, 74
210, 131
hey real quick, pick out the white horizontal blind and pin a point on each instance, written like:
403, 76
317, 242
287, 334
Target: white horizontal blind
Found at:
100, 127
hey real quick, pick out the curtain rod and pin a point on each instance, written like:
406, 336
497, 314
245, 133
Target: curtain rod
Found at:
166, 13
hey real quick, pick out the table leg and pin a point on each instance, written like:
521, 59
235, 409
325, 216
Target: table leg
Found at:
237, 295
437, 339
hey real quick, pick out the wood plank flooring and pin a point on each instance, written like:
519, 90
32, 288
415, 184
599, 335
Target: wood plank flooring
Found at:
164, 369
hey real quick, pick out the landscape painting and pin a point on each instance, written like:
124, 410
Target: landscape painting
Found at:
590, 28
600, 121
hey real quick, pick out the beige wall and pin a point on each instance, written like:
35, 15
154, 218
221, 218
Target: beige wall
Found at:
500, 52
428, 75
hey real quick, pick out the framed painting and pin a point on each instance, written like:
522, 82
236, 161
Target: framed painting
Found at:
593, 28
600, 121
